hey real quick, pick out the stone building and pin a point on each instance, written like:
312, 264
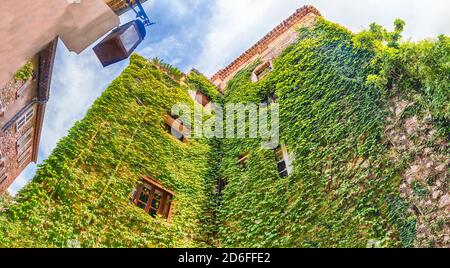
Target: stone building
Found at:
344, 175
269, 47
23, 97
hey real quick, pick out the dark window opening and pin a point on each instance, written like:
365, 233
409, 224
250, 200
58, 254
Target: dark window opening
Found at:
176, 128
271, 98
3, 176
153, 199
281, 162
201, 98
179, 136
221, 184
262, 71
243, 160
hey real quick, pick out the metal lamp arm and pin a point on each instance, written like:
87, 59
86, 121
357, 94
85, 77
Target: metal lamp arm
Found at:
141, 13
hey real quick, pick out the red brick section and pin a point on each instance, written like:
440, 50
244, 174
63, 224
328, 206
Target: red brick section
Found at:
262, 44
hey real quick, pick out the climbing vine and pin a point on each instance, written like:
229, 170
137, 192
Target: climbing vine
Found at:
348, 108
83, 191
344, 190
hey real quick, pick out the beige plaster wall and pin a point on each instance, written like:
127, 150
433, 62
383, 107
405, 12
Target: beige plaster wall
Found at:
27, 26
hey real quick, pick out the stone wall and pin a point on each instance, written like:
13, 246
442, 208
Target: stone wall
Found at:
425, 185
270, 46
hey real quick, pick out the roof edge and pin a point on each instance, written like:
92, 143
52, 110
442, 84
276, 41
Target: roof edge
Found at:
277, 31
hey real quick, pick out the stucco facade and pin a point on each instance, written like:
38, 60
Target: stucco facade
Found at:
78, 25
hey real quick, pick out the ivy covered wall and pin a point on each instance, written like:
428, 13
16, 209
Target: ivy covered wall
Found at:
349, 186
364, 117
83, 191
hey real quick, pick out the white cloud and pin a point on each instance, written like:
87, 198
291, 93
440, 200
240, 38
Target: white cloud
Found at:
238, 24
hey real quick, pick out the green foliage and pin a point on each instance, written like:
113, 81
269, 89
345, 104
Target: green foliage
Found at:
198, 81
173, 72
332, 121
426, 75
334, 89
419, 69
83, 190
25, 73
406, 224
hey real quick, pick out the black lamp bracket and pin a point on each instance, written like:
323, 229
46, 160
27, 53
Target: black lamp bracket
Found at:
140, 13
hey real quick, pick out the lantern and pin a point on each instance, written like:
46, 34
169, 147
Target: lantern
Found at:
120, 43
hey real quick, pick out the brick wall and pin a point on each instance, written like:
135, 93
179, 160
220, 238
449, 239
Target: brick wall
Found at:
14, 108
271, 45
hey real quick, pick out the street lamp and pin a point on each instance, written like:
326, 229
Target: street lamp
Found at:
121, 42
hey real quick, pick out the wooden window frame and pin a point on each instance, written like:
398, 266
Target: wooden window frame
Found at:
21, 91
164, 204
26, 140
3, 177
2, 157
25, 119
262, 71
201, 98
282, 158
2, 108
243, 159
175, 125
26, 155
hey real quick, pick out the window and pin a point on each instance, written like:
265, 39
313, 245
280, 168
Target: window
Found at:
153, 198
2, 108
3, 177
2, 160
201, 98
25, 142
271, 98
221, 184
243, 160
282, 160
25, 156
261, 71
23, 89
176, 128
24, 119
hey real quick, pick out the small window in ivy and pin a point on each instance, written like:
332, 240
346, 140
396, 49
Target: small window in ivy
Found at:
221, 184
2, 157
153, 198
271, 98
243, 160
176, 128
282, 161
201, 98
261, 71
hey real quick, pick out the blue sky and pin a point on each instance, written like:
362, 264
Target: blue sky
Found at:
207, 35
